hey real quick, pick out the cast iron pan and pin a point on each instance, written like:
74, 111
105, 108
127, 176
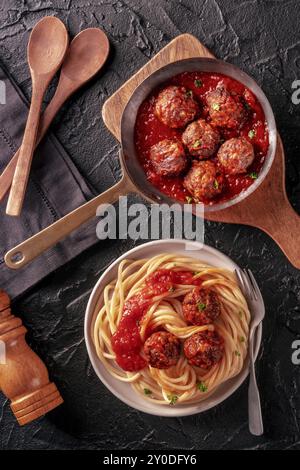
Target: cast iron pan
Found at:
134, 178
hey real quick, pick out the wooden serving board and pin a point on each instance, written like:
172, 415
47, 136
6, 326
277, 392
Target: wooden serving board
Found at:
266, 208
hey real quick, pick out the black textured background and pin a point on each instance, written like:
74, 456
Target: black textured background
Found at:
263, 38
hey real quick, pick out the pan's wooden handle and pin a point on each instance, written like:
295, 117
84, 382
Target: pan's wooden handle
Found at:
268, 208
272, 211
283, 225
29, 249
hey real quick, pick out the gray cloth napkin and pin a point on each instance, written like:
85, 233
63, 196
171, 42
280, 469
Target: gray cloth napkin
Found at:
55, 188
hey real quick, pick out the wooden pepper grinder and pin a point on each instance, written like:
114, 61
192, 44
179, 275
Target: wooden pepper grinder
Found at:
24, 378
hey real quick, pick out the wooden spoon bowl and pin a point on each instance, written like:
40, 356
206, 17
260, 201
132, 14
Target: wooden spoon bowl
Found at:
47, 45
86, 55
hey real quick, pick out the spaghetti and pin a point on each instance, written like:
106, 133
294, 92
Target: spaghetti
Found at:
141, 301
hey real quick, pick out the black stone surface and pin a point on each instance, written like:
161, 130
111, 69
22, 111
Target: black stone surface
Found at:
260, 36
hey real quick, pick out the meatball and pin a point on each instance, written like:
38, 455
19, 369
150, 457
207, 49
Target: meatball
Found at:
224, 109
162, 350
201, 139
168, 157
201, 306
235, 155
204, 349
175, 106
204, 180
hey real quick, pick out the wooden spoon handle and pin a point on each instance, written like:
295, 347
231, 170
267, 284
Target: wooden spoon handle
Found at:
42, 241
50, 112
7, 175
19, 184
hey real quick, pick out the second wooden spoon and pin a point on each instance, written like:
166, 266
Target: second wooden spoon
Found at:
47, 46
86, 55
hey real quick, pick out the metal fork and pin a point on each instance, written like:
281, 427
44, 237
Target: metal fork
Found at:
255, 302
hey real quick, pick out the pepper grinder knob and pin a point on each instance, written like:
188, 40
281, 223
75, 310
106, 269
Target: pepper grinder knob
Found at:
24, 377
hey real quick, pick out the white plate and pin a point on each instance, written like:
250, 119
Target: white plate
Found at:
122, 390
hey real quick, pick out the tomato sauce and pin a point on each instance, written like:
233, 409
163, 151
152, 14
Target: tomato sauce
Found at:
126, 341
149, 131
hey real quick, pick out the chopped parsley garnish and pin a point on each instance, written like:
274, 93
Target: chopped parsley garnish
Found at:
172, 399
172, 289
240, 314
247, 106
251, 133
198, 83
147, 391
189, 199
197, 144
216, 184
216, 107
253, 175
202, 387
242, 339
196, 273
201, 306
189, 93
237, 353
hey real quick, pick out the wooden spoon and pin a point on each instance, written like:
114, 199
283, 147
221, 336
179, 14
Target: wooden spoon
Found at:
86, 55
47, 46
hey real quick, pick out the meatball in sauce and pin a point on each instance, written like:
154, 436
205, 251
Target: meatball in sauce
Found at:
175, 106
162, 350
204, 349
201, 306
224, 109
236, 155
204, 180
168, 157
201, 139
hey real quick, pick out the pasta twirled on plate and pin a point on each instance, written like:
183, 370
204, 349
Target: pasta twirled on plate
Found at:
173, 327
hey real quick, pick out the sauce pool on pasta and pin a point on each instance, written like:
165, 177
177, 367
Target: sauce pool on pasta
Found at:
127, 342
